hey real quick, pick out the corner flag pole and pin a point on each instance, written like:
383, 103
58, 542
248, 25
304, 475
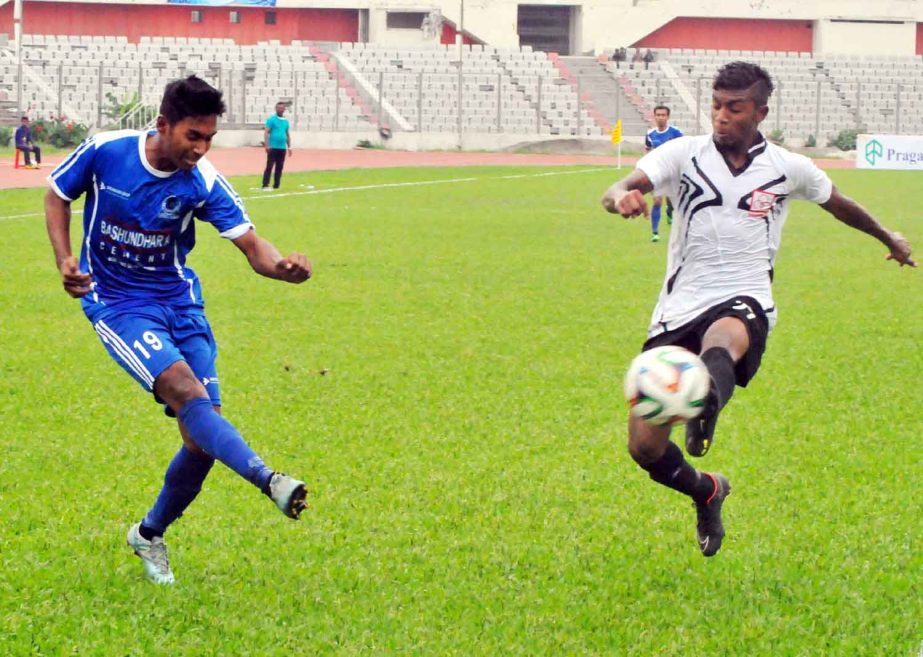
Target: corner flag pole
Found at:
617, 139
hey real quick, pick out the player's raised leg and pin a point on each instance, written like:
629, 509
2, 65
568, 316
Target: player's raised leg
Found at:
179, 388
725, 342
651, 448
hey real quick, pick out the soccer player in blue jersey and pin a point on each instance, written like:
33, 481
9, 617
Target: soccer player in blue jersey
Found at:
660, 134
144, 191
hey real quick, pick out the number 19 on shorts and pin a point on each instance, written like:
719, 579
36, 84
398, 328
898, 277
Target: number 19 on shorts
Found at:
152, 341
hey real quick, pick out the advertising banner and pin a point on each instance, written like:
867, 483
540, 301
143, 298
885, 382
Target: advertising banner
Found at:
889, 152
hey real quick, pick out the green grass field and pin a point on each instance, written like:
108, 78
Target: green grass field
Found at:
472, 494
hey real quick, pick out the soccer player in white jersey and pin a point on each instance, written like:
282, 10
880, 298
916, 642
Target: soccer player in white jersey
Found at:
144, 191
732, 191
660, 134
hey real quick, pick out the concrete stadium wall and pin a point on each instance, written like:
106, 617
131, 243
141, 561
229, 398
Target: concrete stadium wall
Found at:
863, 37
404, 141
600, 24
135, 21
733, 34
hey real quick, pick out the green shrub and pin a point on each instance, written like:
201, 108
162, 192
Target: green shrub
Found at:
811, 141
6, 136
777, 136
845, 140
59, 131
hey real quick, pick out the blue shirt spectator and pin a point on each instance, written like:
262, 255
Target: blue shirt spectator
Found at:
23, 141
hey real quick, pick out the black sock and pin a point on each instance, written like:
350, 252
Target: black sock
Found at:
721, 368
265, 488
147, 533
674, 472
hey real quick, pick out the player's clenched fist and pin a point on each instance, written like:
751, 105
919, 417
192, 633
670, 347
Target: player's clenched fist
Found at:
295, 268
76, 283
628, 203
900, 250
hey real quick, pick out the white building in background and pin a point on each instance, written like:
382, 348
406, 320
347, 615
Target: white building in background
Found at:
889, 27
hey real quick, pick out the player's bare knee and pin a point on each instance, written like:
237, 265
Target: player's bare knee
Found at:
729, 333
177, 385
646, 444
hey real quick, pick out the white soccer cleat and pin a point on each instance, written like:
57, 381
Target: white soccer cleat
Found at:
153, 555
288, 494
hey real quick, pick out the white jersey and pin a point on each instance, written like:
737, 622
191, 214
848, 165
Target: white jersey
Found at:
727, 225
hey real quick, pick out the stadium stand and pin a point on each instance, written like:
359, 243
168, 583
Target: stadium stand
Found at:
357, 86
331, 86
254, 78
502, 90
815, 96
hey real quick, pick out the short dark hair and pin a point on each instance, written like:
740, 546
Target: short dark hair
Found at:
740, 76
190, 96
24, 118
662, 107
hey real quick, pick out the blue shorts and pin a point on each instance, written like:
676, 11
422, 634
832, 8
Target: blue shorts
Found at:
146, 339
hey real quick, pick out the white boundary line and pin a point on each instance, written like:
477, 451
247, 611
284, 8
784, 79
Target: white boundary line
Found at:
360, 188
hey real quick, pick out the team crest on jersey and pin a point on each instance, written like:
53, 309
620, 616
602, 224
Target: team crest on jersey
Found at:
761, 203
170, 208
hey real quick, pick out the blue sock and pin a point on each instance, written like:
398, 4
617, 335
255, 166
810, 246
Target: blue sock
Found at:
655, 219
220, 440
181, 484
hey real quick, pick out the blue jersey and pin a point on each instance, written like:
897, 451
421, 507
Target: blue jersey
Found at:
138, 221
656, 138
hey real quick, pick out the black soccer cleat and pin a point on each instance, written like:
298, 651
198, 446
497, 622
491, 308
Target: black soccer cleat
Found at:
701, 430
699, 434
709, 528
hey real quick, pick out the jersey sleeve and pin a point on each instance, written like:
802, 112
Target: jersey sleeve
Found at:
809, 183
662, 165
224, 210
648, 144
74, 175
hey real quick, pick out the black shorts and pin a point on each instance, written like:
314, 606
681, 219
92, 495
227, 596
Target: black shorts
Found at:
689, 336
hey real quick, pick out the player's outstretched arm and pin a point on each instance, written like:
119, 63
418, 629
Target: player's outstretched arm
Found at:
266, 260
852, 214
626, 197
58, 222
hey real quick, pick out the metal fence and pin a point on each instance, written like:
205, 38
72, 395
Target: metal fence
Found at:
120, 95
127, 95
818, 108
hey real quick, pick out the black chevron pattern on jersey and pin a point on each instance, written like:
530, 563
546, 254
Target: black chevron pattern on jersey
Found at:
717, 200
687, 185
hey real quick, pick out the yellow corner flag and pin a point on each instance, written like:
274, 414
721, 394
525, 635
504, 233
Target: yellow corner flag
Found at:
617, 132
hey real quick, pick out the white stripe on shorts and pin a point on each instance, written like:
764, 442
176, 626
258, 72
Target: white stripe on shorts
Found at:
118, 345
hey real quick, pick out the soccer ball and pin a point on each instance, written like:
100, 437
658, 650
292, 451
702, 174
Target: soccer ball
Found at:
666, 385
